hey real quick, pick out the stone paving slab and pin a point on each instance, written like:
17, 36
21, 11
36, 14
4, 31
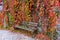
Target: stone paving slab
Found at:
7, 35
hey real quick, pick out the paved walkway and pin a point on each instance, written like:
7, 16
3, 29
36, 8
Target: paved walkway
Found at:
58, 28
7, 35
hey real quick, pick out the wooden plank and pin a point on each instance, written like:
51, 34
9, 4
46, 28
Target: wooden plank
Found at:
21, 27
